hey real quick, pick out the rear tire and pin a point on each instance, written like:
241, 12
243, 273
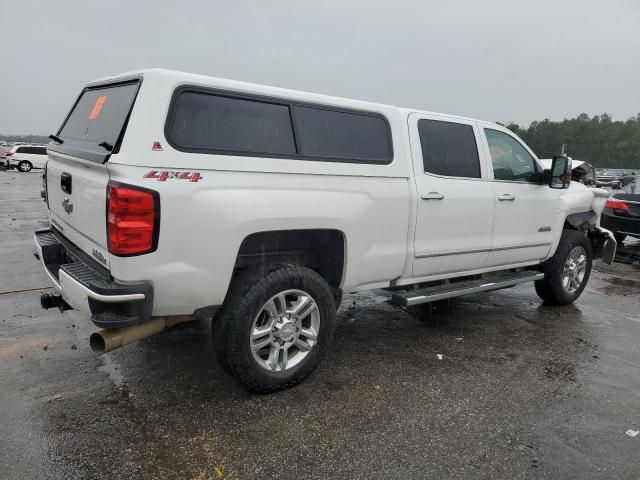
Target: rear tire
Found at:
294, 332
25, 166
567, 272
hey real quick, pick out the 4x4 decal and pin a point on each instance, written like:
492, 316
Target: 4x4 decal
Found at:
164, 175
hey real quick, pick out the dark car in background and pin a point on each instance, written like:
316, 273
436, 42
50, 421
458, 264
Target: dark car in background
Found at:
615, 178
621, 215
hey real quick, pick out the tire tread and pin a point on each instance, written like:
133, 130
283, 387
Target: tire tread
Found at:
550, 288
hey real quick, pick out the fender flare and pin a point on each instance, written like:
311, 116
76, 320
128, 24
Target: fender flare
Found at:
561, 220
608, 249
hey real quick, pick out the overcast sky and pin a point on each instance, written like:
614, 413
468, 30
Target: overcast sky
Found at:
497, 60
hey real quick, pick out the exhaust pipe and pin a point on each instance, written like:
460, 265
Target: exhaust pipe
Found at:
109, 339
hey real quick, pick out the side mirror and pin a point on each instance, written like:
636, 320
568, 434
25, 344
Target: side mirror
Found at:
560, 174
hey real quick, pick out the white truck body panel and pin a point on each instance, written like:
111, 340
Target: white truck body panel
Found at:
88, 196
199, 228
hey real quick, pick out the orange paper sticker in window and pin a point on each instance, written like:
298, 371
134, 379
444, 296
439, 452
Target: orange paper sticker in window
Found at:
95, 111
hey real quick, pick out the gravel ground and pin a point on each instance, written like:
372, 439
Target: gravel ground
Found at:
521, 390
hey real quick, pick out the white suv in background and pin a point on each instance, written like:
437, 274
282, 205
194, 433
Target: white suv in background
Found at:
26, 157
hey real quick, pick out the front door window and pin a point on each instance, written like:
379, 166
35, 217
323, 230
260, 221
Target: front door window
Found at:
511, 161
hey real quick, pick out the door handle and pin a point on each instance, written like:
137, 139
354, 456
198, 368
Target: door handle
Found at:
433, 196
506, 197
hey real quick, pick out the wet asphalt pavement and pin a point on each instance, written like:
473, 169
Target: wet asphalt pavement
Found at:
522, 390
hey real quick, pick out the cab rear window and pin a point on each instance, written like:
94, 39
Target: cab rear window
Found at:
97, 121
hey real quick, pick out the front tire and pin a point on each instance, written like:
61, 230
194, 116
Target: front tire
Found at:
25, 166
567, 272
274, 327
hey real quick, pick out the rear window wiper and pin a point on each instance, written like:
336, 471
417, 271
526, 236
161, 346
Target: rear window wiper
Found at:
56, 138
106, 146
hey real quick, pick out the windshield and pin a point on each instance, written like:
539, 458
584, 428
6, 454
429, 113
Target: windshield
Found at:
98, 117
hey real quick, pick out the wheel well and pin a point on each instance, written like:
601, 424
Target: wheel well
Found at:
319, 249
577, 221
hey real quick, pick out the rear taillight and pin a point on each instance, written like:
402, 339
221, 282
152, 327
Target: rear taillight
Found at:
9, 154
133, 219
617, 205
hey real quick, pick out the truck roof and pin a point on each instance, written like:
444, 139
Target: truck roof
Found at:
179, 77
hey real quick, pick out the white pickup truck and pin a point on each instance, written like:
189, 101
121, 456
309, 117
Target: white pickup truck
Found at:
174, 196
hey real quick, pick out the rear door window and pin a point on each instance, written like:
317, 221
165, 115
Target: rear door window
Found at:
449, 148
98, 117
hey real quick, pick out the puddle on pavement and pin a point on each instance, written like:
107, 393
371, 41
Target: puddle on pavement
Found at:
112, 369
629, 252
621, 286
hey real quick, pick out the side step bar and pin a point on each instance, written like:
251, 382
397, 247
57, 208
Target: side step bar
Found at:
449, 290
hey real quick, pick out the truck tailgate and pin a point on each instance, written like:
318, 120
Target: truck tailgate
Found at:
77, 193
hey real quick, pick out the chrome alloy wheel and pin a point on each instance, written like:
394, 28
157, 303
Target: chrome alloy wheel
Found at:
574, 269
285, 330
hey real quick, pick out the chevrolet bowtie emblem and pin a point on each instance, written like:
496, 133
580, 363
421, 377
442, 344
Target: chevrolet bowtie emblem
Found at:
67, 205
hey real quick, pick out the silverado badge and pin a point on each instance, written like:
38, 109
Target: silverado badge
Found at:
67, 205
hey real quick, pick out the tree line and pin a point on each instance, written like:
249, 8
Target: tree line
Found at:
598, 140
